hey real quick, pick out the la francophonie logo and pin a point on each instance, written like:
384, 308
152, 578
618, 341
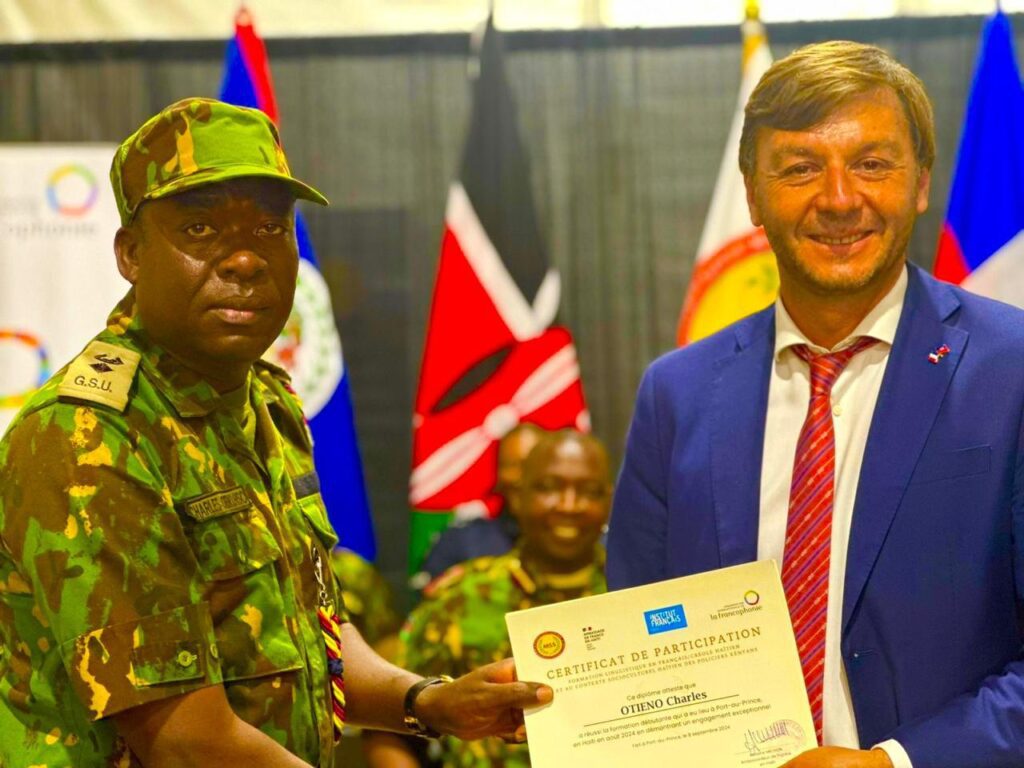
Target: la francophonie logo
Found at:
71, 190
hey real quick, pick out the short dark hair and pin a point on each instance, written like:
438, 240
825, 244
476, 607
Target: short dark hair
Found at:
551, 440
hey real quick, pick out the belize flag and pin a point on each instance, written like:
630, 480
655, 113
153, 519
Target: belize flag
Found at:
982, 242
309, 346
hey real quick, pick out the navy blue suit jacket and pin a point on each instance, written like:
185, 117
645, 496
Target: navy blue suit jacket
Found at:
931, 630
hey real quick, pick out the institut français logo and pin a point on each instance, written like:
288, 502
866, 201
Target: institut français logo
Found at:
665, 619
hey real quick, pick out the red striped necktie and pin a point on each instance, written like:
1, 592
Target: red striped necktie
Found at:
805, 564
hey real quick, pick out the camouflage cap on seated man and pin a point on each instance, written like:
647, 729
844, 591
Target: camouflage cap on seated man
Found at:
194, 142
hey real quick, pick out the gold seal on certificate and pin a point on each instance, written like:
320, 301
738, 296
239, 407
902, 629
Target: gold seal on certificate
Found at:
702, 669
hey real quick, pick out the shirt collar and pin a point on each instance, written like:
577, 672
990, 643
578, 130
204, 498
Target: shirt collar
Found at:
880, 323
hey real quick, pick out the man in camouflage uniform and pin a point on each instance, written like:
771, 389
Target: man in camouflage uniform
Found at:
561, 507
165, 596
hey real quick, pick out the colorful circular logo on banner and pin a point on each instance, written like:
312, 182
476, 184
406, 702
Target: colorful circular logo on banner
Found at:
72, 190
751, 597
34, 346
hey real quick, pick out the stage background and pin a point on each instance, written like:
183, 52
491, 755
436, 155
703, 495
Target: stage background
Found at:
625, 130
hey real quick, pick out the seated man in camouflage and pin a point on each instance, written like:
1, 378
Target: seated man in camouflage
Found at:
561, 506
165, 597
465, 539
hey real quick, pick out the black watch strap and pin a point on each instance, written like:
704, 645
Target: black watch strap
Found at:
411, 721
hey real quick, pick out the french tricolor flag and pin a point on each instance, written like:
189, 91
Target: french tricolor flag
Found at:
982, 242
309, 346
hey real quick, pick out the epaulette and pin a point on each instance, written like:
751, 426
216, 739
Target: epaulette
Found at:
102, 373
451, 576
275, 370
289, 400
519, 575
281, 375
284, 379
458, 572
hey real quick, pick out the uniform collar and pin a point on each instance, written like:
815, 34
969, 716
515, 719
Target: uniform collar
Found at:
530, 580
185, 389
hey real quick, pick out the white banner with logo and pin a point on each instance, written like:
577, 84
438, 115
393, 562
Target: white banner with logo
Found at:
58, 278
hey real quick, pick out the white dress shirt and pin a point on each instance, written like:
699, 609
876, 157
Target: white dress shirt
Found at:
853, 404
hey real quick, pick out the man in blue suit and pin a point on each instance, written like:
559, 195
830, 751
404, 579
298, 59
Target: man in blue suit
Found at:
907, 463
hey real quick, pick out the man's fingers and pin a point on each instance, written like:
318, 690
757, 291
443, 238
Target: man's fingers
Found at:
522, 695
503, 671
516, 737
545, 694
516, 693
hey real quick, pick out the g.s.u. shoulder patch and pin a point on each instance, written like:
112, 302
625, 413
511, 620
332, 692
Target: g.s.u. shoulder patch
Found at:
103, 373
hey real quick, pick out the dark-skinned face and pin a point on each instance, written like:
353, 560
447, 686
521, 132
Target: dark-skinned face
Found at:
214, 272
562, 504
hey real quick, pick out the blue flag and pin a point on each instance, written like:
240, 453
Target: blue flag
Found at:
309, 346
982, 242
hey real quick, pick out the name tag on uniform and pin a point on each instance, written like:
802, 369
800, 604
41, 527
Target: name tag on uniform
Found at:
217, 504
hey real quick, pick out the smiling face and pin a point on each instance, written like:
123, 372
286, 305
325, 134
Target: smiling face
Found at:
214, 272
562, 502
838, 200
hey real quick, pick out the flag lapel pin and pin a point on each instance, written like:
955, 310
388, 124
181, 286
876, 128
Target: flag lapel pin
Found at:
937, 354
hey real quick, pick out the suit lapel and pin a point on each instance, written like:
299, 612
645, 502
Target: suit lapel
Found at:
739, 402
909, 400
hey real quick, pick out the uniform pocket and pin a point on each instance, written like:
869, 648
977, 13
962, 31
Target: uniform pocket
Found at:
233, 545
316, 515
307, 491
169, 662
150, 658
236, 553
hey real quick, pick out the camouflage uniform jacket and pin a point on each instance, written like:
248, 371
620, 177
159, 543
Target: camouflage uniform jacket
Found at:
155, 548
460, 626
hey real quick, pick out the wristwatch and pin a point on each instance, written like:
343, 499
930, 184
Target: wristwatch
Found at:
416, 728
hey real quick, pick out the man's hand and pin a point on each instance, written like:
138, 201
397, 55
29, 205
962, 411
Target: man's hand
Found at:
837, 757
488, 701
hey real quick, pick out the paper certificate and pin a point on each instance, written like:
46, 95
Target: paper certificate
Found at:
702, 669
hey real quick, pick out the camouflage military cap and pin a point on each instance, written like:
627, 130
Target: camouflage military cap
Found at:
194, 142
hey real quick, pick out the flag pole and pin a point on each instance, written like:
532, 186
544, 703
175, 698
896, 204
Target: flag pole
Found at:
734, 272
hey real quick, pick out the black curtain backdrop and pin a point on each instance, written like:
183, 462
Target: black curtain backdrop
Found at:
625, 130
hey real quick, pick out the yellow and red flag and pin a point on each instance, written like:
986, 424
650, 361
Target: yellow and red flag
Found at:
735, 273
